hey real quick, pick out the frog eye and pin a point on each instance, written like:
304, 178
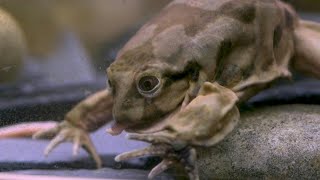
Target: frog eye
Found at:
148, 85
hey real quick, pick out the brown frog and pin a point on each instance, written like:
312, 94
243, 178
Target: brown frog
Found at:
177, 83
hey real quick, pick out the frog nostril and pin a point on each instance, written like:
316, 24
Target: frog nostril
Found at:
122, 118
127, 103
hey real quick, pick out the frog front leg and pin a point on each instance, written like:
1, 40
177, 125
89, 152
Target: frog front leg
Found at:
87, 116
205, 121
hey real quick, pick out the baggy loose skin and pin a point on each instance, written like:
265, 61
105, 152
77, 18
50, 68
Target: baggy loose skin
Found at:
177, 82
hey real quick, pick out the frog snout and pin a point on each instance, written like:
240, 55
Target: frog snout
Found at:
128, 115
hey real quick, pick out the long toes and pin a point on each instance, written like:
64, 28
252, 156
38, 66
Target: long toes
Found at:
55, 142
89, 147
193, 174
188, 160
161, 167
76, 145
192, 156
155, 138
46, 133
148, 151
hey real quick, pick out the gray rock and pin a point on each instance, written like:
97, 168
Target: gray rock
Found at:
272, 142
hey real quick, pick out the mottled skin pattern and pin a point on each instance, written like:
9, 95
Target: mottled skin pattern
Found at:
177, 82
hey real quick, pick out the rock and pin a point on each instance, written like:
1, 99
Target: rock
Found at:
12, 48
271, 142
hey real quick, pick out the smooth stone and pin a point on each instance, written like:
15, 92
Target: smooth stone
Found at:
271, 143
12, 47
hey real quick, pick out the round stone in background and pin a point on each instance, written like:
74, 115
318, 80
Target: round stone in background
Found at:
12, 48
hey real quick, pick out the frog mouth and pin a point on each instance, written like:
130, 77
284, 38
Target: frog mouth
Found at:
116, 129
143, 128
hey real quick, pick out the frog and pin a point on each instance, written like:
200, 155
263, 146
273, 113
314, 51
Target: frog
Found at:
178, 82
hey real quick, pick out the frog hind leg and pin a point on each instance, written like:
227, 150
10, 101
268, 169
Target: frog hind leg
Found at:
307, 48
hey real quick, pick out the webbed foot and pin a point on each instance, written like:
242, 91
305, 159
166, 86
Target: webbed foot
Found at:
173, 153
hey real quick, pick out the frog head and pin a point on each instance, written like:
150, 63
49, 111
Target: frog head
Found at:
147, 90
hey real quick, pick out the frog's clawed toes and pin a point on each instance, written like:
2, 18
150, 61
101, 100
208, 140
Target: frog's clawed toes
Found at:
185, 157
152, 138
89, 147
163, 146
67, 132
190, 163
61, 137
153, 150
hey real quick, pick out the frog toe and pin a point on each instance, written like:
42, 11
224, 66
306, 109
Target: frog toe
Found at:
161, 167
153, 150
154, 138
185, 157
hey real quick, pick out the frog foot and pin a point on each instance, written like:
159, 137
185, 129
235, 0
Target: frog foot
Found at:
173, 153
65, 131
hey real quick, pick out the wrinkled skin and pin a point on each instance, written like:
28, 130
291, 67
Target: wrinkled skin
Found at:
176, 84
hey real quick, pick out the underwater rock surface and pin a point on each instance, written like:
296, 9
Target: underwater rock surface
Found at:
271, 142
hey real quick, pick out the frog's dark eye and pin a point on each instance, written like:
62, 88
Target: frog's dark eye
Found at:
148, 85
